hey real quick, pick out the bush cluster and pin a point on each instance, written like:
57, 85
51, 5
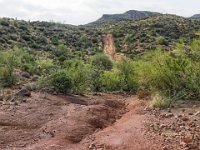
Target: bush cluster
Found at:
79, 76
11, 60
173, 74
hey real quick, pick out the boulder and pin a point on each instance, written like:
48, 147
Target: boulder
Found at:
23, 92
25, 75
35, 78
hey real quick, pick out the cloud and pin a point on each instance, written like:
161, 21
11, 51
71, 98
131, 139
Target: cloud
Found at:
84, 11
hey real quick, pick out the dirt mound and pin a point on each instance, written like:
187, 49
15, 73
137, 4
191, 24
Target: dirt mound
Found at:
56, 121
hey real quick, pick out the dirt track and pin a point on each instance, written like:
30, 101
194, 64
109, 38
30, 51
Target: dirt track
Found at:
104, 122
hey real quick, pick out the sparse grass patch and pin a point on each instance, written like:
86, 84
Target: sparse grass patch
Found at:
160, 101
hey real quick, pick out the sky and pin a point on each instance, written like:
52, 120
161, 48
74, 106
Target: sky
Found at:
84, 11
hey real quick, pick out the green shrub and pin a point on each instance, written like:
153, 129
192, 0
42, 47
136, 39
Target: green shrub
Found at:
81, 74
160, 101
73, 64
126, 68
99, 64
45, 65
194, 53
122, 77
18, 58
111, 81
195, 45
63, 53
102, 62
160, 40
7, 63
62, 81
74, 77
7, 77
175, 75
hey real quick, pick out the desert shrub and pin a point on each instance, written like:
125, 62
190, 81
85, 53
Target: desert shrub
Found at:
99, 64
174, 74
4, 23
62, 52
7, 63
7, 76
128, 38
23, 59
160, 40
81, 74
195, 45
111, 81
26, 60
73, 64
61, 80
126, 68
159, 101
45, 65
194, 53
122, 77
16, 58
102, 62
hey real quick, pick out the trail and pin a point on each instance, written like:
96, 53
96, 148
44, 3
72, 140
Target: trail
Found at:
110, 49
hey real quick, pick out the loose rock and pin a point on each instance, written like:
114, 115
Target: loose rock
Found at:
25, 75
23, 92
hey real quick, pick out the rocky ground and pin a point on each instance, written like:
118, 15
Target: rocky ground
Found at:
179, 127
100, 122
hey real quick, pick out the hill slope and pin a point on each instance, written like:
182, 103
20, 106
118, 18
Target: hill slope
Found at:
130, 37
158, 31
46, 35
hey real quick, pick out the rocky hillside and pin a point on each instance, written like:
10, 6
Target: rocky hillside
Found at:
161, 31
196, 16
130, 37
47, 35
129, 15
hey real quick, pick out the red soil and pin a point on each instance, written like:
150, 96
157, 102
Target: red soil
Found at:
103, 122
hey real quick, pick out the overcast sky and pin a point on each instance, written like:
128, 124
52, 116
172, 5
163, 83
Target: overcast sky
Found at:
85, 11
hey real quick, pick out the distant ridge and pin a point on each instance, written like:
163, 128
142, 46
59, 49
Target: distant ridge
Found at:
129, 15
196, 16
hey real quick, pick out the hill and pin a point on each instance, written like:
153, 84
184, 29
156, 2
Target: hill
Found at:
160, 31
130, 36
129, 15
46, 35
196, 16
